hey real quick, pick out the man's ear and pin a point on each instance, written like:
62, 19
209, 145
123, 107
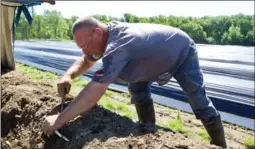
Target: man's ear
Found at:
98, 32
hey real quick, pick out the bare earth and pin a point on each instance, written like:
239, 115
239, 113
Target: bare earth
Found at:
24, 105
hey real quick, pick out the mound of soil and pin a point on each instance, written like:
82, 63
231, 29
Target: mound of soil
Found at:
25, 103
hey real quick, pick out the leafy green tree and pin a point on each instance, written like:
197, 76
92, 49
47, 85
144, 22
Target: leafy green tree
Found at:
236, 29
195, 31
160, 19
127, 17
62, 28
174, 21
143, 20
52, 20
235, 36
102, 18
36, 27
210, 40
70, 25
22, 30
249, 39
224, 39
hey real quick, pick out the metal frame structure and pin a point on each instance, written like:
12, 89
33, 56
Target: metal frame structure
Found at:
9, 20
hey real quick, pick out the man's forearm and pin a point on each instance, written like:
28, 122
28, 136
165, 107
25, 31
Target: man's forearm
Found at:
87, 98
79, 67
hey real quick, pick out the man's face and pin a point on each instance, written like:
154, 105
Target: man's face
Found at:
85, 40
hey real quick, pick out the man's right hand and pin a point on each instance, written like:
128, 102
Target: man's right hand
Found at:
64, 85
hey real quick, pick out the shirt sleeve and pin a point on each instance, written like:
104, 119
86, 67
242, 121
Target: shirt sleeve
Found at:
112, 66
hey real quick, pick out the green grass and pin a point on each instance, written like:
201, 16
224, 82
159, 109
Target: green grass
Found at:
204, 136
116, 106
109, 93
249, 143
176, 124
37, 75
77, 86
81, 83
48, 77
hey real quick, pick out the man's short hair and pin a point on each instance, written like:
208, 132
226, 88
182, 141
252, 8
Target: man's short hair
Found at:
89, 22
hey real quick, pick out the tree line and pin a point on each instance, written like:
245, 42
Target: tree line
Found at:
223, 30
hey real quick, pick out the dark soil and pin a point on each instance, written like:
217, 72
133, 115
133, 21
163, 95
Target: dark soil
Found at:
25, 103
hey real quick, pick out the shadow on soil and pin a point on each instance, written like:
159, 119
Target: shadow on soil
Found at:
98, 123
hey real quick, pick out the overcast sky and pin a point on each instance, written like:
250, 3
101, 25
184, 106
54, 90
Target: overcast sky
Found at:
150, 8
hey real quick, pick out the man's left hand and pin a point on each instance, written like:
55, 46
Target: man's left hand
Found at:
49, 125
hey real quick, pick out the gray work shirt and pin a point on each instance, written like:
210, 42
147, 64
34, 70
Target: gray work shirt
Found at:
142, 52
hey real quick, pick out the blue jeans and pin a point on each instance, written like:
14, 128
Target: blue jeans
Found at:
190, 77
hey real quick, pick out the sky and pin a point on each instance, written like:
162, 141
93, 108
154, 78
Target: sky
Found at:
149, 8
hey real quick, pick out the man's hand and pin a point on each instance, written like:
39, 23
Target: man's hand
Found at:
86, 99
64, 85
52, 2
49, 125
